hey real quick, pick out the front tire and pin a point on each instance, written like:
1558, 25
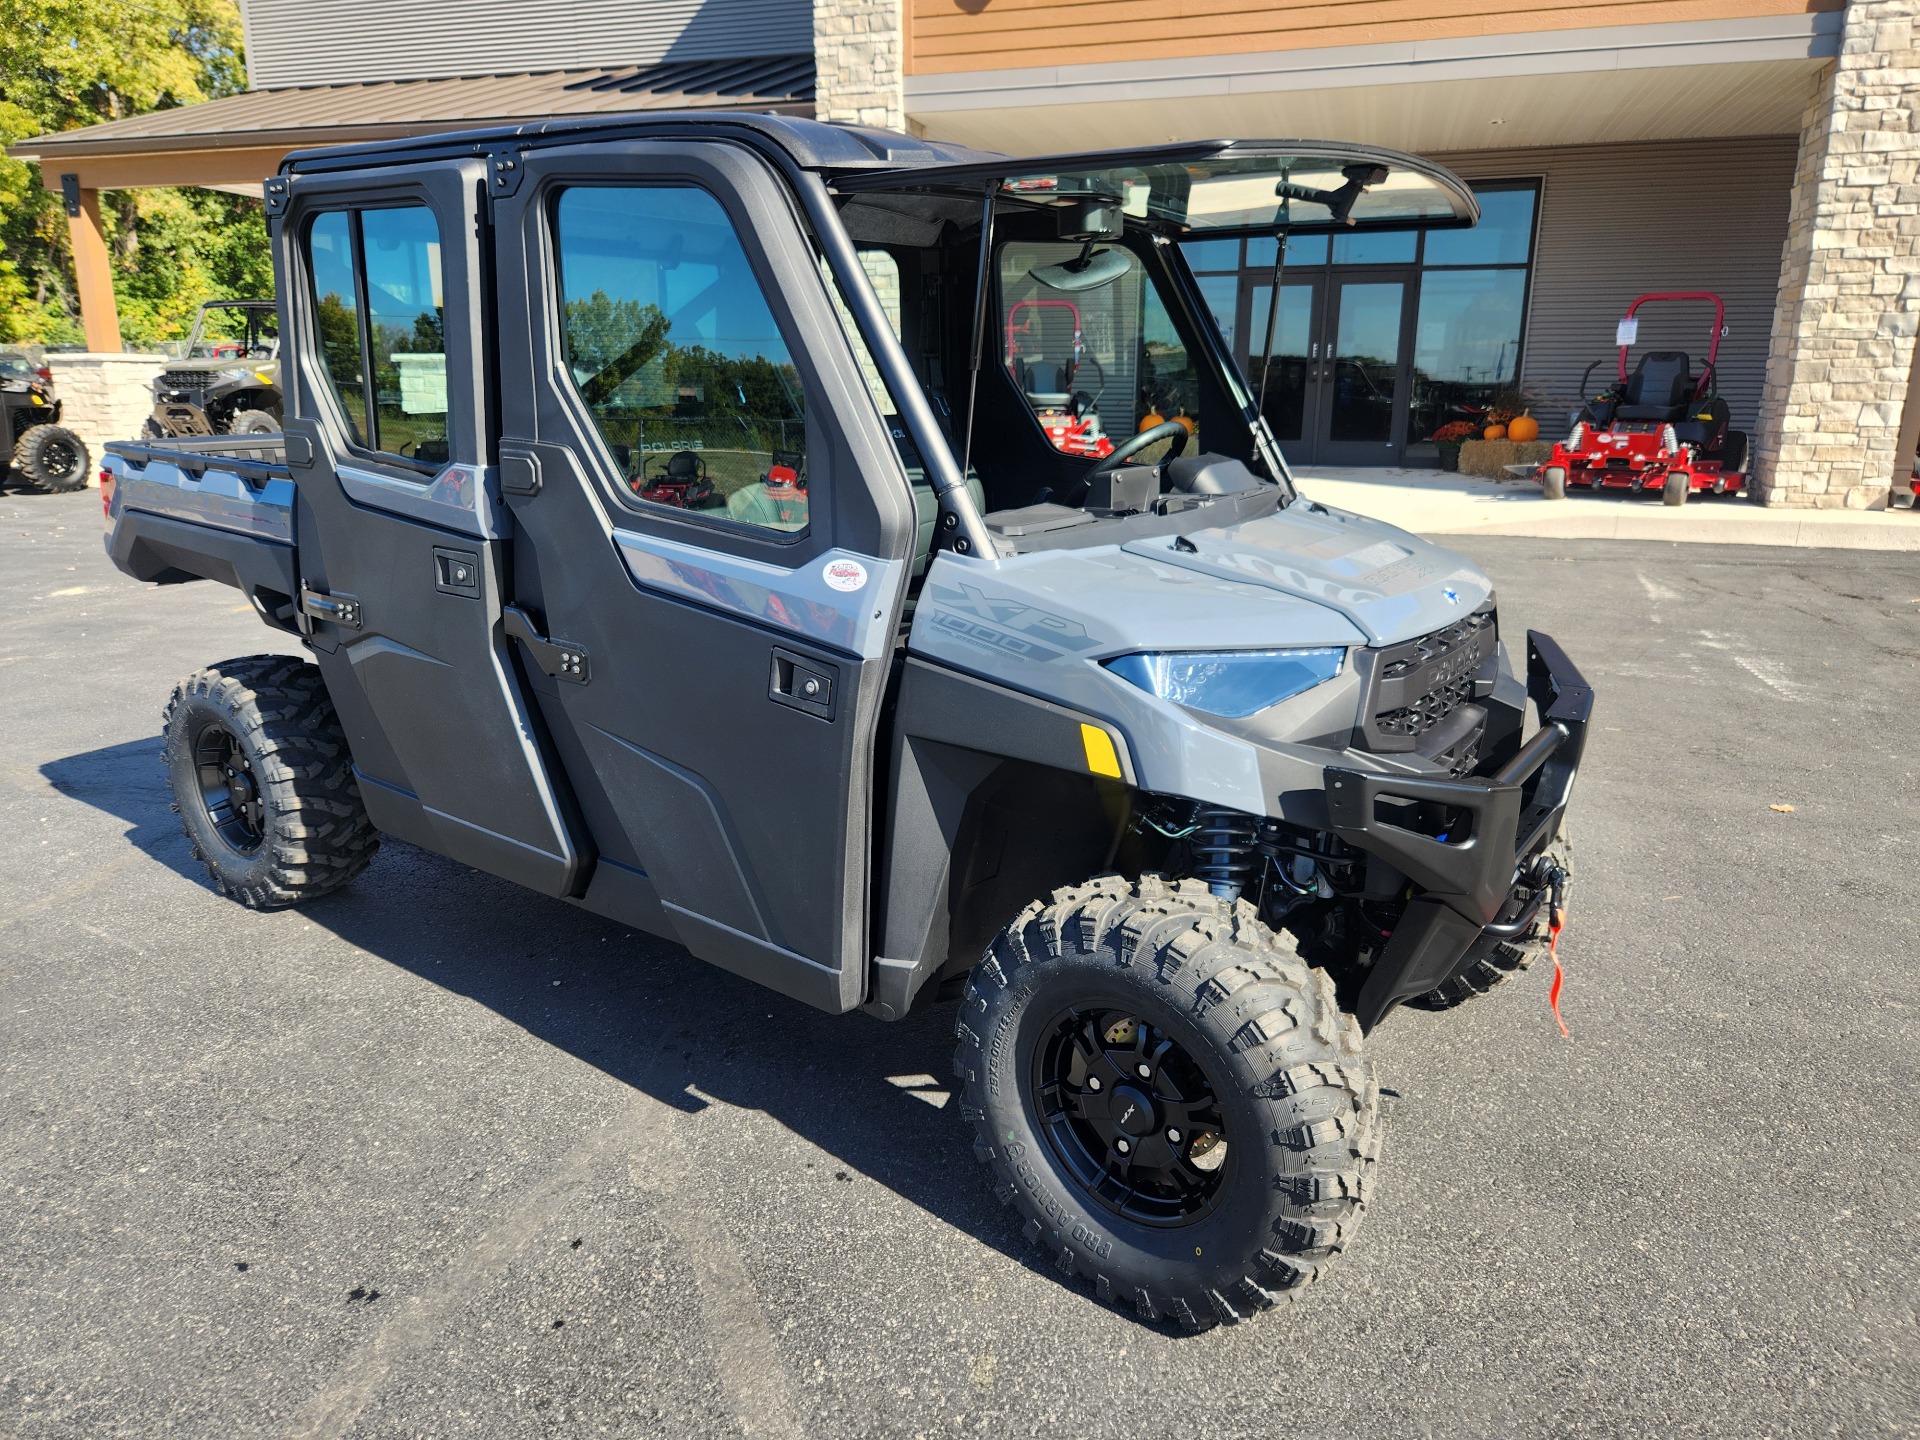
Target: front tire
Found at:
52, 458
1676, 490
263, 781
1170, 1097
253, 422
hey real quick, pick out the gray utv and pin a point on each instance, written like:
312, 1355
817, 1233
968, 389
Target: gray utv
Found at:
860, 561
228, 382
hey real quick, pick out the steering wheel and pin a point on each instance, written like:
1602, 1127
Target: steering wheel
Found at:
1166, 430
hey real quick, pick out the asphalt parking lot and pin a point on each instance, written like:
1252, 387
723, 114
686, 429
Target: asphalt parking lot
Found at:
439, 1157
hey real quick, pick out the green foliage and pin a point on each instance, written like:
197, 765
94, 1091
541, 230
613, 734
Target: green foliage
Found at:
68, 63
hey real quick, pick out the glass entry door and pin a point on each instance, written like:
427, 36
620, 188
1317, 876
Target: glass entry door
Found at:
1292, 402
1361, 372
1335, 394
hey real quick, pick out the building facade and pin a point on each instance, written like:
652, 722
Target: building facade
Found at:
1763, 151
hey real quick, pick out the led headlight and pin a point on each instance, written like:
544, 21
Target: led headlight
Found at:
1233, 683
237, 372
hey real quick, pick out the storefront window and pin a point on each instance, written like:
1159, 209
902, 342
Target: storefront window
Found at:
1504, 235
1386, 247
1466, 343
1347, 372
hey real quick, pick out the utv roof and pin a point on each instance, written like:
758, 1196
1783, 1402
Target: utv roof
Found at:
1219, 186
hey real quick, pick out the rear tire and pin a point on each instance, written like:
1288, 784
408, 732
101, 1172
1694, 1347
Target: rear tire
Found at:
1223, 1008
1676, 490
263, 782
52, 458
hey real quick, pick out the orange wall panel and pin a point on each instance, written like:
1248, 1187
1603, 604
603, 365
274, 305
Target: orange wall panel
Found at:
952, 36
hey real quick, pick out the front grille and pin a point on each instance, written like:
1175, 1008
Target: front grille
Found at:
1420, 692
184, 379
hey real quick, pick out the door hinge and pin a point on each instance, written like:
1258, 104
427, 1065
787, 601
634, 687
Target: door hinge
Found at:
340, 609
558, 658
503, 172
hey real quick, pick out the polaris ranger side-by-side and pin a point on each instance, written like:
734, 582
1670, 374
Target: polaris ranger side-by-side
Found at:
228, 381
681, 521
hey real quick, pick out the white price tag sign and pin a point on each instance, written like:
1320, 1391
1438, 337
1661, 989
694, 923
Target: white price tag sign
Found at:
1628, 332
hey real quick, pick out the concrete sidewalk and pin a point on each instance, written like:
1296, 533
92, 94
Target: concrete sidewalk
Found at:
1438, 502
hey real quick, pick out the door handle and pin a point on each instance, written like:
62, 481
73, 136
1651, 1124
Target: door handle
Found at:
558, 658
802, 684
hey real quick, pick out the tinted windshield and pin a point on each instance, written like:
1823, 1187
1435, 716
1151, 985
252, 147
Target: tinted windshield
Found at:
15, 366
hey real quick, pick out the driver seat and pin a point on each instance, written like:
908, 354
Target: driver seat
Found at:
1661, 388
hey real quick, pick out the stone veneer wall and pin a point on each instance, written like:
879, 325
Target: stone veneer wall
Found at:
859, 57
104, 396
1843, 331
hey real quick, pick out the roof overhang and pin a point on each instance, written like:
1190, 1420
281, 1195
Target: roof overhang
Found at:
234, 143
1550, 87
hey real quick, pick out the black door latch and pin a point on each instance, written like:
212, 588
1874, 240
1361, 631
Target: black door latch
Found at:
802, 683
558, 658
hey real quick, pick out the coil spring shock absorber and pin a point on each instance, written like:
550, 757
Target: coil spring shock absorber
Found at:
1222, 843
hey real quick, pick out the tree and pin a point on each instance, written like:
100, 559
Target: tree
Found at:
67, 63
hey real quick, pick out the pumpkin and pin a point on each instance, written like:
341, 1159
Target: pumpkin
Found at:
1494, 432
1193, 426
1523, 429
1151, 419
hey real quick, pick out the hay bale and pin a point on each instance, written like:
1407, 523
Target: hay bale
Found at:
1489, 458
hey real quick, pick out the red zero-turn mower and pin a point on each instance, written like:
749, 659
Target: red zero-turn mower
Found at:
1662, 426
1067, 415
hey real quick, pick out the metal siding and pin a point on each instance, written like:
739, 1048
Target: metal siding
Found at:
291, 43
1617, 221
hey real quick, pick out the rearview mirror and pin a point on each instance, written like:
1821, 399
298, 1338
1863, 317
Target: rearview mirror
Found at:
1089, 270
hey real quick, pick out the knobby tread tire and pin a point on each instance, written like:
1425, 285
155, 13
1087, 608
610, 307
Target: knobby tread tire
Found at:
30, 460
317, 835
253, 422
1271, 1031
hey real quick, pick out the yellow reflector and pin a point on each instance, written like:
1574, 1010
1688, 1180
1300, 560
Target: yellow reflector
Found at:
1101, 759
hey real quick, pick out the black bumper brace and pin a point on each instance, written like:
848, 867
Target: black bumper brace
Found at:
1464, 842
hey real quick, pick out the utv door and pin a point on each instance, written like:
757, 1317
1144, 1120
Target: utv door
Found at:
712, 535
401, 547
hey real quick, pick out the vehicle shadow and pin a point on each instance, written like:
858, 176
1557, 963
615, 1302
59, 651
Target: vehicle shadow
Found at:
639, 1008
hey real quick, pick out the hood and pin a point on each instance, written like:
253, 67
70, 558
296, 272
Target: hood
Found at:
1391, 585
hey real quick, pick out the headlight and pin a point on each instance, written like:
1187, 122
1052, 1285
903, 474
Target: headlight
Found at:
238, 372
1233, 683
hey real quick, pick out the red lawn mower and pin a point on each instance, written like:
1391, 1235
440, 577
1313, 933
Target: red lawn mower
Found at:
1068, 415
1661, 427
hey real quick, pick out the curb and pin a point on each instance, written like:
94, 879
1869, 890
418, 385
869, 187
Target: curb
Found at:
1719, 530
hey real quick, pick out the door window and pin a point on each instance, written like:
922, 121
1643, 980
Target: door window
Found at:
380, 309
674, 351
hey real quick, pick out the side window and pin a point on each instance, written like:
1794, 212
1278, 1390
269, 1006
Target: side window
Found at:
379, 307
676, 354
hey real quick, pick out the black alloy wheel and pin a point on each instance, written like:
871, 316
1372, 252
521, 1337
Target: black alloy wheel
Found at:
229, 789
1131, 1116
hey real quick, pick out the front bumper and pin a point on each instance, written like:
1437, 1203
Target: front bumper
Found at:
1468, 844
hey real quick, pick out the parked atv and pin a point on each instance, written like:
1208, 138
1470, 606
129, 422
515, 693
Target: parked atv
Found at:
1662, 427
1175, 781
45, 454
228, 383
